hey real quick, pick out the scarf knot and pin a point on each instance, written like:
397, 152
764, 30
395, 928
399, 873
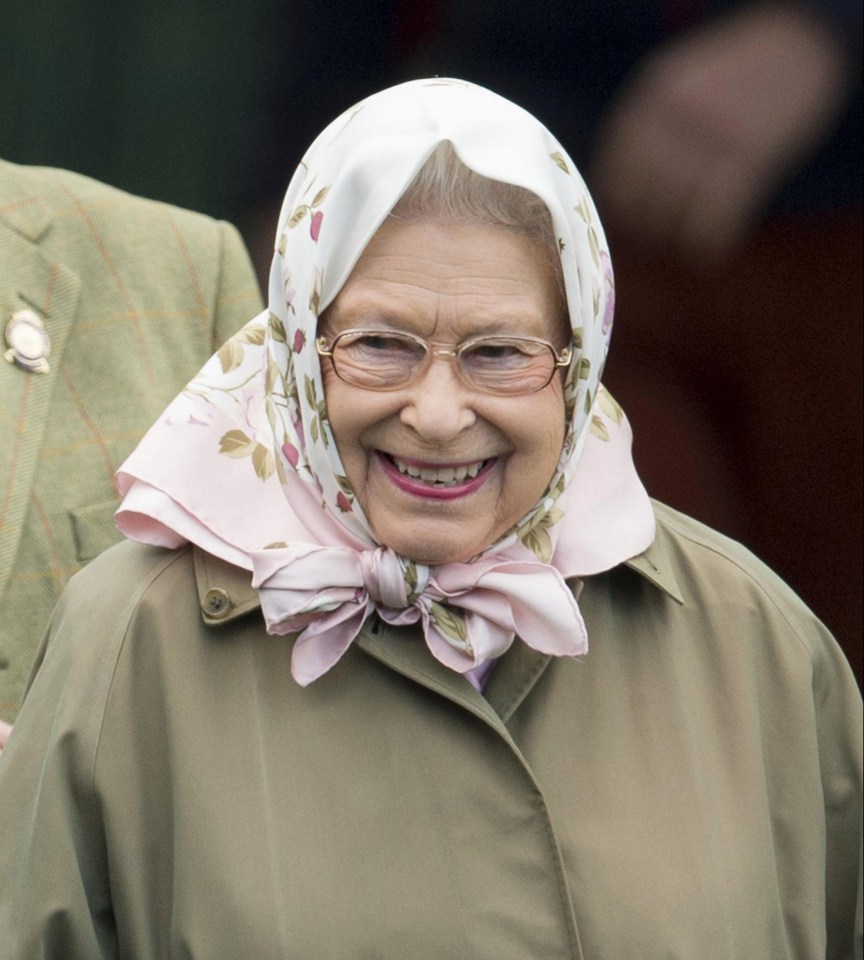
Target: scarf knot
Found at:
470, 612
384, 578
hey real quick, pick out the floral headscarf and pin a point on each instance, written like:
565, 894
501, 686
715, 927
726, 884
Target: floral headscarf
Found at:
244, 463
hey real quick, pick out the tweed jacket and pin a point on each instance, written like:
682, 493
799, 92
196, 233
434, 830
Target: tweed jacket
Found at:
688, 790
134, 295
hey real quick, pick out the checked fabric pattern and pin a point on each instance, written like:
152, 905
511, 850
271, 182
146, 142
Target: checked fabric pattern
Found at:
135, 295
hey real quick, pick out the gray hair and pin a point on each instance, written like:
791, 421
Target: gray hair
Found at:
448, 191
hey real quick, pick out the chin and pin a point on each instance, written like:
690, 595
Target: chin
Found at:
433, 556
434, 540
433, 552
444, 556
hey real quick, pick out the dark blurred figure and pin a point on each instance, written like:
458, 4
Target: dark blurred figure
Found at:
154, 97
722, 141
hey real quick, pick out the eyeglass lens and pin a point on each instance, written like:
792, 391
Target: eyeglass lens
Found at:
497, 364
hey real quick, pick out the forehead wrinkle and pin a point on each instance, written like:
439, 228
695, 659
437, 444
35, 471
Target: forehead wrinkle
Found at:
486, 282
437, 276
481, 315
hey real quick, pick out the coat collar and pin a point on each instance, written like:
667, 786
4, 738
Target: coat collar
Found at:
225, 593
30, 278
656, 566
213, 574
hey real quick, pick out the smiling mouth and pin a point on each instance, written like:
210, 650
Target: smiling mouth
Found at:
440, 477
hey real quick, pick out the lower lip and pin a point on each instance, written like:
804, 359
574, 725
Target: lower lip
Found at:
428, 491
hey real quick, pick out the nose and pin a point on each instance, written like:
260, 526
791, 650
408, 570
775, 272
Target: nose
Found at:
438, 405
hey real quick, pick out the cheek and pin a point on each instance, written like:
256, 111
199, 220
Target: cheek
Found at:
352, 413
539, 443
551, 421
340, 411
346, 405
550, 441
554, 434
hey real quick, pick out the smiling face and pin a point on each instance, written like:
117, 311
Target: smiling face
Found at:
443, 471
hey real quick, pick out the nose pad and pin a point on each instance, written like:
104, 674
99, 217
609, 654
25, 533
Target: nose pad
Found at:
438, 403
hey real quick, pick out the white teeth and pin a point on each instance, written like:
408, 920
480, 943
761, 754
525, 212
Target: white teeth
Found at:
442, 475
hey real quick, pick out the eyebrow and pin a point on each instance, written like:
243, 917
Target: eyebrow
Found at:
375, 318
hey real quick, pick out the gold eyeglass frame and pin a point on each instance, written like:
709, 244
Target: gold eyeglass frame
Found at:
434, 349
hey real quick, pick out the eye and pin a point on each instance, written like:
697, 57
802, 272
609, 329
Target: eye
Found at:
500, 354
370, 341
492, 351
375, 347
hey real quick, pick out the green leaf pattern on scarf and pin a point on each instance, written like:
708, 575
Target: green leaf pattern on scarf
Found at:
451, 623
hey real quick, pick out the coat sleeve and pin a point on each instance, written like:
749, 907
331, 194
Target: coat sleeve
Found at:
238, 297
54, 886
839, 732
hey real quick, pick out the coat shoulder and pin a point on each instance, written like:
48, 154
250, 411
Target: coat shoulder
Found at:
150, 256
716, 571
63, 188
80, 220
121, 576
77, 659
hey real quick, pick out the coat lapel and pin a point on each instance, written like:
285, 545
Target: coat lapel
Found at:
405, 652
512, 678
29, 278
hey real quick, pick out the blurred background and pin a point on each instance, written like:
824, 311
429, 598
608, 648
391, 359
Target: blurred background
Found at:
722, 143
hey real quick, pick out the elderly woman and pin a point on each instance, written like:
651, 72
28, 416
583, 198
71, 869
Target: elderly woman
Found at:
344, 705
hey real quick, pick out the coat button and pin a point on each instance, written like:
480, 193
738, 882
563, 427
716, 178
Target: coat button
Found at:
216, 603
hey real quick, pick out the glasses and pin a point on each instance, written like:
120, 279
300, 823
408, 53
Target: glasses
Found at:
386, 360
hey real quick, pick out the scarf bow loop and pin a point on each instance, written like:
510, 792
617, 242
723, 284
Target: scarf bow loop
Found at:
470, 612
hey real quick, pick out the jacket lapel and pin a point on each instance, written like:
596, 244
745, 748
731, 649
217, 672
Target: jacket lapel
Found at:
28, 279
